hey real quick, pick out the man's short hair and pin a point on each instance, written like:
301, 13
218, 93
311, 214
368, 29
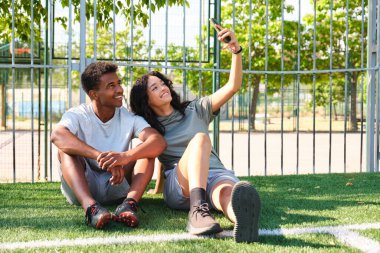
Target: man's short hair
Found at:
91, 75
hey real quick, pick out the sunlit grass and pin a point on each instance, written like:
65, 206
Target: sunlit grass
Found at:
40, 212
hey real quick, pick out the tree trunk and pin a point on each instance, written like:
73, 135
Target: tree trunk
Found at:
255, 96
354, 122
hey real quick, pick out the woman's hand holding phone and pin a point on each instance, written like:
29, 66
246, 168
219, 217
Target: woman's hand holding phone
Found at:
218, 29
228, 37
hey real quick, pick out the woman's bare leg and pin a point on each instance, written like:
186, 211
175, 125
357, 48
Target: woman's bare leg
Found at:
193, 167
221, 197
192, 171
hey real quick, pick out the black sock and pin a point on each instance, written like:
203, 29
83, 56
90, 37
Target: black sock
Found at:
197, 196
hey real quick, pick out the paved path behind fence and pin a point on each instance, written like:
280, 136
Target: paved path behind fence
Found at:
241, 163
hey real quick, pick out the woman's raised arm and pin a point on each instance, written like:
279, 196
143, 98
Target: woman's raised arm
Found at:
221, 96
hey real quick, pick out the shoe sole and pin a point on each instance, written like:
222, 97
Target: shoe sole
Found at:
204, 231
128, 218
103, 220
246, 206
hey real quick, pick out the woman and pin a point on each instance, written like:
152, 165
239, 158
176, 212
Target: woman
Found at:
195, 176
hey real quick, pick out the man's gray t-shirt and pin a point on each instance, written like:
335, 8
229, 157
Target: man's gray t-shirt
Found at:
179, 130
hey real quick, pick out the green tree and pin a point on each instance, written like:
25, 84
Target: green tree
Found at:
202, 85
258, 48
199, 82
22, 20
22, 23
105, 9
338, 50
265, 50
104, 47
22, 15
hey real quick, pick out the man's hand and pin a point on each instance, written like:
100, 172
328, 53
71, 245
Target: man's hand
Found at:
118, 174
108, 160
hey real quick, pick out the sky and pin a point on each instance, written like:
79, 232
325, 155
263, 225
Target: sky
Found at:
192, 21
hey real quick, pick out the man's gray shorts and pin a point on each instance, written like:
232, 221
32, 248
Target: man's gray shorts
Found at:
100, 187
173, 195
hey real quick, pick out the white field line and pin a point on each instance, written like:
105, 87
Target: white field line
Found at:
358, 241
342, 233
99, 241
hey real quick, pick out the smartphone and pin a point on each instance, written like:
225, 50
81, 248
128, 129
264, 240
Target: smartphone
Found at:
213, 21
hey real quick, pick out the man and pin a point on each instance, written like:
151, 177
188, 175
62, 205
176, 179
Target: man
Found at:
93, 140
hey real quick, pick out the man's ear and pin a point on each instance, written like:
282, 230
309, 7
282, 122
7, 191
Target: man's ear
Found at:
93, 94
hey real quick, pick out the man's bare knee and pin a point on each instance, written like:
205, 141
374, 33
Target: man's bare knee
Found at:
71, 160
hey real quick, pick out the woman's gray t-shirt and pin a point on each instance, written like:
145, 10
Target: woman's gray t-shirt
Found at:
179, 130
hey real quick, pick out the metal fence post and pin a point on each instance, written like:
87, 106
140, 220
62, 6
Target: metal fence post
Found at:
216, 77
372, 46
377, 97
82, 57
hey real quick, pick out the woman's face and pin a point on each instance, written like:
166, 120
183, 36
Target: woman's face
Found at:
158, 93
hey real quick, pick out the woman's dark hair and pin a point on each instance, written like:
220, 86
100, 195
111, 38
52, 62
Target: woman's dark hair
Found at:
139, 100
90, 77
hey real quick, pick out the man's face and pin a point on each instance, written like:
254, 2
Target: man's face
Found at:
109, 92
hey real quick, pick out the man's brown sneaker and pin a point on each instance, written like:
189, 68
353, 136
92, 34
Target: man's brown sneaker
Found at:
97, 216
126, 213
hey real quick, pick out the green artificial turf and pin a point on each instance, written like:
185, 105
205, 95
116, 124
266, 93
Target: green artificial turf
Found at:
306, 243
39, 211
373, 234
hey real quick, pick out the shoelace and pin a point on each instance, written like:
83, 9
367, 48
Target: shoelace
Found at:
202, 209
134, 205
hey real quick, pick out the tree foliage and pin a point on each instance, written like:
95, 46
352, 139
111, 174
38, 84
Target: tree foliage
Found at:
21, 20
268, 52
105, 8
348, 50
269, 44
265, 53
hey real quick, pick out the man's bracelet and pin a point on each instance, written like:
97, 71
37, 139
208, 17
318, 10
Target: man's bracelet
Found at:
239, 51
